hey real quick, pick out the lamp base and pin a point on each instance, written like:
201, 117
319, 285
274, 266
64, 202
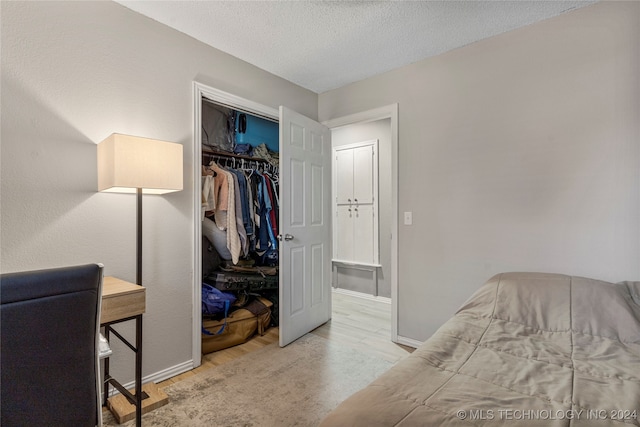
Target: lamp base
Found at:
124, 411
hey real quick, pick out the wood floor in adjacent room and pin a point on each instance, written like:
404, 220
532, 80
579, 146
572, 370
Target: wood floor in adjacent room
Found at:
356, 322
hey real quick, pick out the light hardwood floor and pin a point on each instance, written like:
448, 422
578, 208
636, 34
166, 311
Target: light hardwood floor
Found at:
356, 322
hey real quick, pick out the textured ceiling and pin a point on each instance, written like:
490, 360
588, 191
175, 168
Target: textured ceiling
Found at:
323, 45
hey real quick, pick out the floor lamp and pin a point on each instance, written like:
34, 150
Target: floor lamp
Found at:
130, 164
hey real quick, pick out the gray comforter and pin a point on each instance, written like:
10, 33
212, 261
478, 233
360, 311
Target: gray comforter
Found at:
527, 349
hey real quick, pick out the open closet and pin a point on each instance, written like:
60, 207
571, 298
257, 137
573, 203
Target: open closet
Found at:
286, 250
240, 225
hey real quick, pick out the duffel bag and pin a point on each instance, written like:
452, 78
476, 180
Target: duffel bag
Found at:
238, 326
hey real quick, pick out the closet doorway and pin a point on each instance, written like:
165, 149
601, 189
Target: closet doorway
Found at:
304, 223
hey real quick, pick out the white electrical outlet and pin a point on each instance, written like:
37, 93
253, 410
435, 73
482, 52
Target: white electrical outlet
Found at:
408, 218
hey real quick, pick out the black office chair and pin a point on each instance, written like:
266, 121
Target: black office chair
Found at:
49, 329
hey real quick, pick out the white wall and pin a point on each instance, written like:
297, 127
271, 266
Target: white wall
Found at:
380, 130
519, 152
73, 73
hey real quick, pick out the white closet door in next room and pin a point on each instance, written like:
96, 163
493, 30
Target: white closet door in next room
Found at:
356, 206
363, 234
345, 245
363, 174
344, 176
355, 236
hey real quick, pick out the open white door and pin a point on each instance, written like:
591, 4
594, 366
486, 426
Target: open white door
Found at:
305, 225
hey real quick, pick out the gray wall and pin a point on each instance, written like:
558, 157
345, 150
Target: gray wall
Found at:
73, 73
519, 152
361, 281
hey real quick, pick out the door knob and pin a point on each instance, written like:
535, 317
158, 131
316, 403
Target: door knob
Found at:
286, 237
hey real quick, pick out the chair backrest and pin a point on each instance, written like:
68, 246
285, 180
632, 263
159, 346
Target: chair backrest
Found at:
49, 368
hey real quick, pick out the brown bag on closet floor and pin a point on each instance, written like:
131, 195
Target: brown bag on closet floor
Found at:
239, 326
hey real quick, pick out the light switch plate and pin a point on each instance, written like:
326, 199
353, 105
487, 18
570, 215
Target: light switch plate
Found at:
408, 218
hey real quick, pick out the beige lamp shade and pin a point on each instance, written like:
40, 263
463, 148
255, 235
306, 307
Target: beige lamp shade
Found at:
126, 163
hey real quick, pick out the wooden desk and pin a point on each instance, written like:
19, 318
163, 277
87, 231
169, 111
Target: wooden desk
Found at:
123, 301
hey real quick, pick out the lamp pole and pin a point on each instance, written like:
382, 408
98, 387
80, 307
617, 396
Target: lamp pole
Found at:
139, 237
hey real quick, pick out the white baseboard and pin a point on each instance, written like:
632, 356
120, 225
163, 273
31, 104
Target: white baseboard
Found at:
157, 377
169, 372
361, 295
409, 342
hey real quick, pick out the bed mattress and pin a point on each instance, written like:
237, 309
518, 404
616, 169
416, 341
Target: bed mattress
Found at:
527, 349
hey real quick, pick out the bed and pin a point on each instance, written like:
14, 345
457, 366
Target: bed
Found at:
527, 349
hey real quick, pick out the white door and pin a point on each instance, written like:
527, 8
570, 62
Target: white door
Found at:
344, 177
363, 234
305, 225
355, 223
345, 243
363, 174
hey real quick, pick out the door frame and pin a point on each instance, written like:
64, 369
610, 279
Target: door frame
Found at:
236, 102
386, 112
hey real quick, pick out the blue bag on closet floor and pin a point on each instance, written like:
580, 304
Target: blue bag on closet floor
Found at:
214, 301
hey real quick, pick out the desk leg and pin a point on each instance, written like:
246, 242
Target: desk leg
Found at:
139, 396
105, 380
139, 391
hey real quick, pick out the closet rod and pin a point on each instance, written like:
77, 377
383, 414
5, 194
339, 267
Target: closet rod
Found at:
210, 153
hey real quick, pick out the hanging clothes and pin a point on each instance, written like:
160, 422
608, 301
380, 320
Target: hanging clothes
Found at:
220, 189
246, 208
273, 223
267, 235
239, 222
244, 201
208, 192
251, 231
226, 218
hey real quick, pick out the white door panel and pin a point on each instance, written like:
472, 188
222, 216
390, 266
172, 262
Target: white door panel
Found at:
305, 223
363, 234
363, 174
344, 233
344, 176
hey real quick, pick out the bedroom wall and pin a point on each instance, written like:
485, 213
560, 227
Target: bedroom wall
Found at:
517, 153
72, 74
